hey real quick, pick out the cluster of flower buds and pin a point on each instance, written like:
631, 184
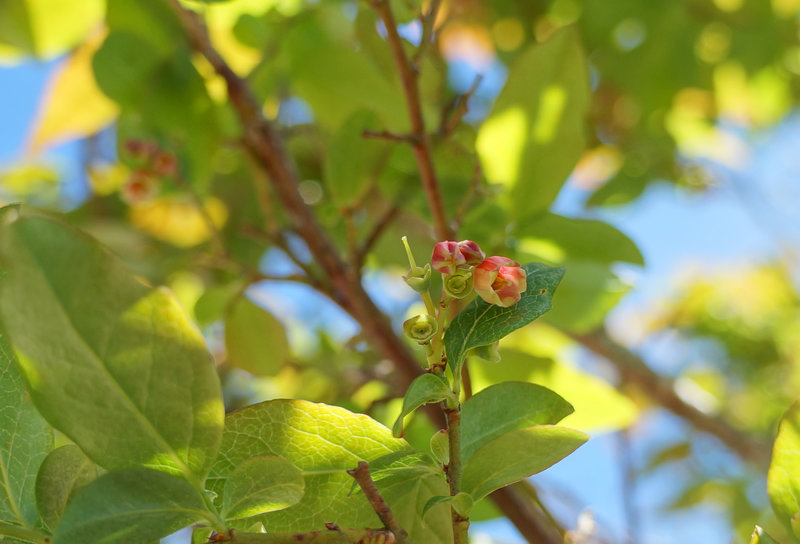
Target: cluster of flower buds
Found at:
465, 269
150, 165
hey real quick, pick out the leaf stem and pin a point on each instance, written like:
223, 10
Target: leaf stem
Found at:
23, 533
453, 469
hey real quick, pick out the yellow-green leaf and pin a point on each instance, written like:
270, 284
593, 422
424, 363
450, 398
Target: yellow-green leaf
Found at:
255, 339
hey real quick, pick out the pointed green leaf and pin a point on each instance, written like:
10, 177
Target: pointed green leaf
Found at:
213, 303
25, 440
506, 407
535, 133
783, 485
517, 455
255, 339
423, 390
323, 442
259, 485
408, 481
433, 501
104, 353
62, 475
351, 159
481, 323
760, 536
130, 506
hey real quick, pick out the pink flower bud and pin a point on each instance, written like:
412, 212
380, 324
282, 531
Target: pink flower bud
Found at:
472, 252
450, 256
499, 281
447, 257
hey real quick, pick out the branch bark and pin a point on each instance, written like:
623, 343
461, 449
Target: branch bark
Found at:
362, 477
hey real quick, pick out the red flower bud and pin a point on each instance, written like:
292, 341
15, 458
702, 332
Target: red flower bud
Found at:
449, 256
499, 281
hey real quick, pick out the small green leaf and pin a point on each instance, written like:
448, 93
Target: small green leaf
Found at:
25, 440
323, 442
433, 501
517, 455
130, 506
259, 485
351, 159
506, 407
481, 323
255, 339
783, 486
440, 446
214, 302
760, 536
103, 353
64, 472
462, 504
535, 133
423, 390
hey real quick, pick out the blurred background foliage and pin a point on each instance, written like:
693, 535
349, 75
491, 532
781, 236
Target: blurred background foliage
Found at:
525, 101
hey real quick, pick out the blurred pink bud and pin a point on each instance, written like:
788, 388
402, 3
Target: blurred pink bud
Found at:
499, 281
471, 251
165, 164
450, 256
447, 257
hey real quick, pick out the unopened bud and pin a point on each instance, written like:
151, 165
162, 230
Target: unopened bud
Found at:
419, 278
500, 281
473, 255
421, 328
447, 257
165, 164
458, 284
489, 353
440, 446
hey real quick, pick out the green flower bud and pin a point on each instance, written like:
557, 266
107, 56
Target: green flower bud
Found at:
421, 328
419, 278
440, 446
458, 284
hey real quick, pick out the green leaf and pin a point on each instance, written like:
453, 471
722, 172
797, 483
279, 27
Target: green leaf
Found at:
351, 159
423, 390
783, 485
599, 407
506, 407
213, 303
64, 472
481, 323
25, 439
557, 239
255, 340
103, 353
130, 506
760, 536
46, 28
462, 503
408, 481
535, 133
323, 442
516, 455
259, 485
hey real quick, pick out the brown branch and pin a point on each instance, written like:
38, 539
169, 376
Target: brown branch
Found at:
428, 21
333, 535
634, 371
422, 147
451, 119
380, 226
390, 136
362, 477
268, 153
531, 523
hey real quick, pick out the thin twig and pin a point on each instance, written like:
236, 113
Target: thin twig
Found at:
378, 229
422, 149
428, 21
362, 477
333, 535
472, 189
390, 136
451, 119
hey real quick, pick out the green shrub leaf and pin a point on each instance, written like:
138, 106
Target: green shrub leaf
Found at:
783, 485
423, 390
255, 339
516, 455
64, 472
112, 363
259, 485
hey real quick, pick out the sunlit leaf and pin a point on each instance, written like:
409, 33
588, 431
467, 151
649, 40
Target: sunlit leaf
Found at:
131, 506
535, 133
178, 220
25, 440
259, 485
64, 473
516, 455
73, 106
783, 485
103, 352
323, 442
255, 339
506, 407
481, 323
760, 536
